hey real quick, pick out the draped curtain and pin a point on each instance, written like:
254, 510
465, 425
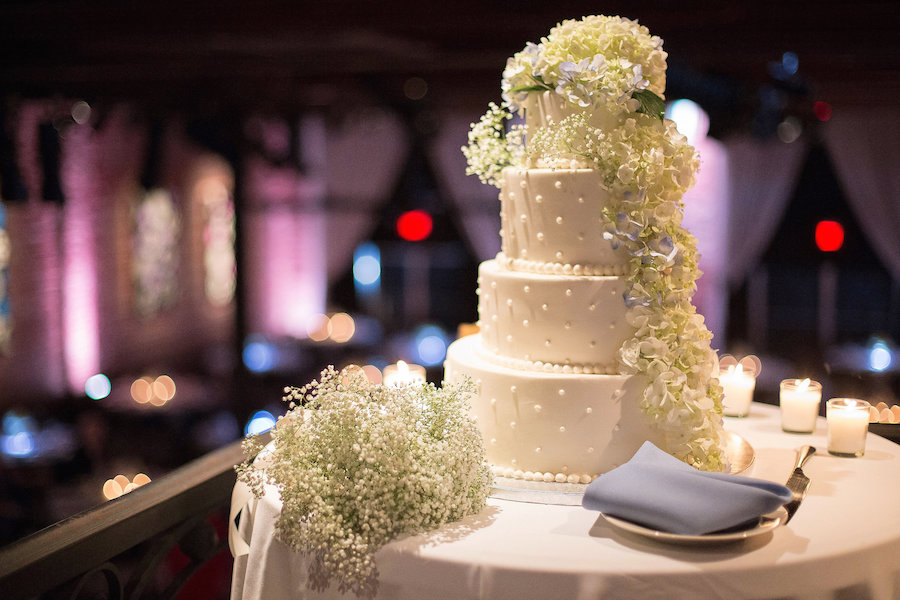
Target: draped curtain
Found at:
363, 162
475, 203
864, 146
302, 227
762, 177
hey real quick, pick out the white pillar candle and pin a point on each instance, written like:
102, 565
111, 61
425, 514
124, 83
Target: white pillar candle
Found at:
848, 423
737, 387
403, 374
799, 401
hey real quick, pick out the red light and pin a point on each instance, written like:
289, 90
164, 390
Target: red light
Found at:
822, 110
414, 225
829, 236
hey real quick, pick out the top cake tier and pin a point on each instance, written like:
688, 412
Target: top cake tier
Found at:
552, 223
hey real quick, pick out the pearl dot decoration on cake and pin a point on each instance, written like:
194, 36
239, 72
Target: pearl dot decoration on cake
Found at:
559, 220
537, 408
512, 424
523, 184
525, 323
567, 325
527, 289
493, 441
592, 306
562, 428
588, 410
590, 449
537, 450
524, 218
561, 392
509, 302
557, 184
538, 198
540, 236
545, 307
493, 402
513, 389
569, 291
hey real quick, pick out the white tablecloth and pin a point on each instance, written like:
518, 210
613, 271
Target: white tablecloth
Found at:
843, 543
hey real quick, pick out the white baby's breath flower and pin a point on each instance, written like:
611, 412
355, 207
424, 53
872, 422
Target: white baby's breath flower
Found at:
368, 463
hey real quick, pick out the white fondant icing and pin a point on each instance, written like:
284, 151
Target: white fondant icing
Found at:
556, 311
530, 218
591, 443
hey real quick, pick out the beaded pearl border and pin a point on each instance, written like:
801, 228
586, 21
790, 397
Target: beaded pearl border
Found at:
520, 364
547, 477
551, 268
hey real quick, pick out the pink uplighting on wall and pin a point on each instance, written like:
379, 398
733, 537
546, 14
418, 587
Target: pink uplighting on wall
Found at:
80, 322
288, 283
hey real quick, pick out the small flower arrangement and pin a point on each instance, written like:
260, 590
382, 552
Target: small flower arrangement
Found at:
359, 464
614, 65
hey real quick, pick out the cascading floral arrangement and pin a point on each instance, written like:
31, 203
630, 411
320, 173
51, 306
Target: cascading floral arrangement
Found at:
614, 65
358, 464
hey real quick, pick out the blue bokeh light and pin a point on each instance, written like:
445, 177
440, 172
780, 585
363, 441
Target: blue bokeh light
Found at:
430, 345
261, 421
97, 386
790, 62
18, 445
367, 267
259, 355
880, 357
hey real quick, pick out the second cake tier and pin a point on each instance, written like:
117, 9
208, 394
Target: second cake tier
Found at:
562, 323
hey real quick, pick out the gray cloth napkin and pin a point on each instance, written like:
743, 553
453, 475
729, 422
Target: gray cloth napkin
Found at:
659, 491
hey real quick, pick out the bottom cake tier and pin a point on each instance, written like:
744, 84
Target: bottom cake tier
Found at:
562, 427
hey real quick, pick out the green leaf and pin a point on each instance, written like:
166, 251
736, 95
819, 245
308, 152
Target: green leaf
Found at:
651, 104
537, 86
528, 88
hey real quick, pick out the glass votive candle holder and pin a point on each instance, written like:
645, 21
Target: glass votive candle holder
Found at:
799, 400
403, 374
848, 424
737, 391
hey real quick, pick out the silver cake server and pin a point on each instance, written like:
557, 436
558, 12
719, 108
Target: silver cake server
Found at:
798, 482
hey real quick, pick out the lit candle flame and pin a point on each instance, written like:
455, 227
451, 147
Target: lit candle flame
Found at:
801, 387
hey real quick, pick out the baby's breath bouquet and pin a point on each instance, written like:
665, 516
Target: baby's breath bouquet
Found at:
358, 465
613, 67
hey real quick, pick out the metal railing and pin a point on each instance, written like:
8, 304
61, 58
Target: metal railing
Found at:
115, 550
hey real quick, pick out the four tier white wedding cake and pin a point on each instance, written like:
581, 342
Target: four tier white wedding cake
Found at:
589, 343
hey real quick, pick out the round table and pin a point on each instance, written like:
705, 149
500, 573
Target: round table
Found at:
843, 542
